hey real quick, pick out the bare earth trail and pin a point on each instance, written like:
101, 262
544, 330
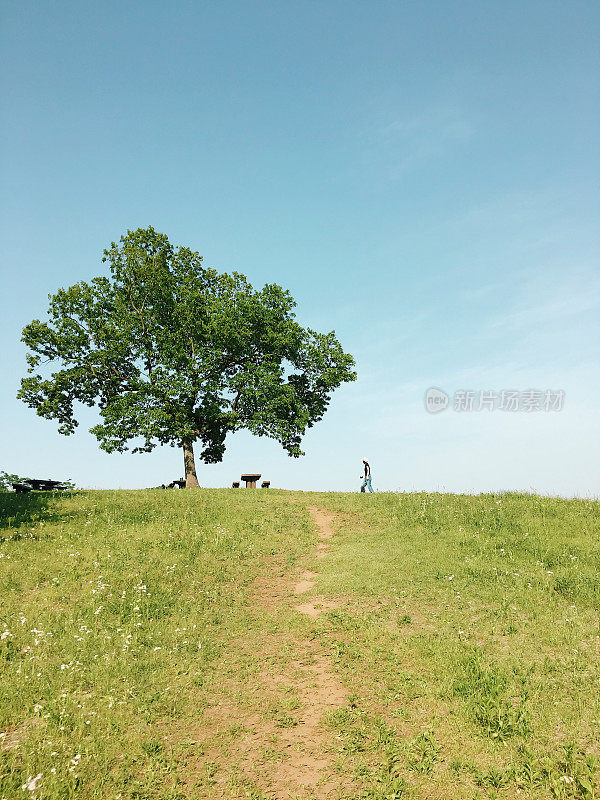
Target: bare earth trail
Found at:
307, 770
323, 522
292, 757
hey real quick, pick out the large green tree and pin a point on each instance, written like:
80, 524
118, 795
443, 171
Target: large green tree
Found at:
174, 353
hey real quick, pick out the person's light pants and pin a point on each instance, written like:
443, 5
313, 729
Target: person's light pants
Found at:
366, 483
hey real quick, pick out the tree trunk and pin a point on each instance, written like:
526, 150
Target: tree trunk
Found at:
191, 479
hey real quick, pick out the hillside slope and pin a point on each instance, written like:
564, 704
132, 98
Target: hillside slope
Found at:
267, 644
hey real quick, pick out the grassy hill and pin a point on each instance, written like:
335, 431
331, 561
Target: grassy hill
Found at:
237, 644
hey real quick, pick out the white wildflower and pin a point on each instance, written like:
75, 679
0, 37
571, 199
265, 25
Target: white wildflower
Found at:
31, 783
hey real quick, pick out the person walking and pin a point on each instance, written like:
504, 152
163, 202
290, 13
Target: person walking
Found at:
366, 477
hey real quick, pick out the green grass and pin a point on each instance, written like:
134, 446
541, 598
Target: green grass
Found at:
467, 636
501, 657
117, 608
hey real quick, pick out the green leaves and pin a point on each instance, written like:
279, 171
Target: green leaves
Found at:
171, 351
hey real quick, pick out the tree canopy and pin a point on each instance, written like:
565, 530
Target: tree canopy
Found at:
175, 353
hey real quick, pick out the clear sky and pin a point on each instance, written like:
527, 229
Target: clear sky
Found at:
422, 176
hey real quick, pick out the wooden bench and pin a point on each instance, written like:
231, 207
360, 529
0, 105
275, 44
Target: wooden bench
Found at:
265, 484
235, 485
180, 484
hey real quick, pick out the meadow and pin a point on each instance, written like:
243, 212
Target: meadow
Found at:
152, 645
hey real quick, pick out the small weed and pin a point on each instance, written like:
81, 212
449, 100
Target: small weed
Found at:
343, 620
485, 689
386, 788
284, 720
495, 777
152, 748
423, 753
353, 741
569, 775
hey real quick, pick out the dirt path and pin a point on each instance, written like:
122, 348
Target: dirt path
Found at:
307, 770
316, 605
268, 734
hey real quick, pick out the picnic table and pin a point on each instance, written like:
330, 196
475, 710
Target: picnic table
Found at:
250, 478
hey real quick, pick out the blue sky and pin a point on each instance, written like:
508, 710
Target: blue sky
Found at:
423, 177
